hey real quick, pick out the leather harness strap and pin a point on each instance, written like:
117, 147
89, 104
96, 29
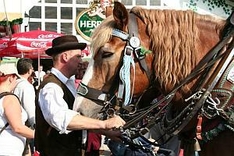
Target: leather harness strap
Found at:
133, 32
199, 127
199, 68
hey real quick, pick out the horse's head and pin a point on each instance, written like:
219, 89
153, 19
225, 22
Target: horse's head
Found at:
120, 52
159, 47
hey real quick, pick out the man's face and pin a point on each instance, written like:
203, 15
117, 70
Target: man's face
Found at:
75, 57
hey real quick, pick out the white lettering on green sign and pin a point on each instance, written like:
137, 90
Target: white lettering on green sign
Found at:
89, 24
86, 22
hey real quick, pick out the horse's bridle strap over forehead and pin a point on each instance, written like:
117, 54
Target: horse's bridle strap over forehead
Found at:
121, 34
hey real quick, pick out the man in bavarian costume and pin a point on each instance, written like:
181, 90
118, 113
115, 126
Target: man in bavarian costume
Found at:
58, 127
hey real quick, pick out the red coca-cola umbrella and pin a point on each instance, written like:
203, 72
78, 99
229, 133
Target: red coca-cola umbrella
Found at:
31, 44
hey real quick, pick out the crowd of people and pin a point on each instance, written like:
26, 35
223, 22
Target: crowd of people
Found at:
38, 117
55, 129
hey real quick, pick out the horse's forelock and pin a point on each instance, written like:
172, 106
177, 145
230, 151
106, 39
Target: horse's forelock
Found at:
102, 34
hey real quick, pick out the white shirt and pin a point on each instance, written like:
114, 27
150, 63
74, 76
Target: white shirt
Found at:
11, 143
26, 93
54, 108
40, 74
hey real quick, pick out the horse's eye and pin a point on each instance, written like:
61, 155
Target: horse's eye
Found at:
106, 54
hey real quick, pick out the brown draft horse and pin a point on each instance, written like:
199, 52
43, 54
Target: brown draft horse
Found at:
173, 42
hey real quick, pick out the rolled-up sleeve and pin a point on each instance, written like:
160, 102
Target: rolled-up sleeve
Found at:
54, 108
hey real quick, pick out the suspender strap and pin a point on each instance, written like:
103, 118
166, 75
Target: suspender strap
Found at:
4, 127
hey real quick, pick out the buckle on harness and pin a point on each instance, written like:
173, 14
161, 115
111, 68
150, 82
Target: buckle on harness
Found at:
128, 50
138, 53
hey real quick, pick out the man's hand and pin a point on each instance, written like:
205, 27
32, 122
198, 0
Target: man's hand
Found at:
114, 122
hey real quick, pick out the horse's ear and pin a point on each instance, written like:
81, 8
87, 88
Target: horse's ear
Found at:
120, 14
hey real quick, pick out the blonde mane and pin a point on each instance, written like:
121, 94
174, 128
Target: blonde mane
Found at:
173, 37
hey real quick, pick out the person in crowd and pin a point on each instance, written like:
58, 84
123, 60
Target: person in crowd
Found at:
24, 89
31, 78
26, 93
80, 72
13, 132
40, 73
93, 142
47, 73
58, 128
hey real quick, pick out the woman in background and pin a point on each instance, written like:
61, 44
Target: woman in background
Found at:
13, 132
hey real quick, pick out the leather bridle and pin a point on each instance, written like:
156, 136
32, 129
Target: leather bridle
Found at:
105, 97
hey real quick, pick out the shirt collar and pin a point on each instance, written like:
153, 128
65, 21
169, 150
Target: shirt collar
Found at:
62, 77
23, 78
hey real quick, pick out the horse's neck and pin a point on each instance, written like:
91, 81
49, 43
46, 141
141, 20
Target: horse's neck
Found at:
209, 35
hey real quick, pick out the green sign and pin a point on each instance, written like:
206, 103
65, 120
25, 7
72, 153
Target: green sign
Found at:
88, 20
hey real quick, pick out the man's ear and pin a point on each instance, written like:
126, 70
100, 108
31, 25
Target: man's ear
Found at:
64, 56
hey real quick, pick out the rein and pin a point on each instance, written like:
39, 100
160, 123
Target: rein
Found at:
176, 125
172, 127
198, 70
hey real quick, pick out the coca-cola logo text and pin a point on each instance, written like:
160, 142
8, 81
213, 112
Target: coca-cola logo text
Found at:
38, 44
47, 36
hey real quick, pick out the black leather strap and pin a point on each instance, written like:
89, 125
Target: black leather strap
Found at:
4, 127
